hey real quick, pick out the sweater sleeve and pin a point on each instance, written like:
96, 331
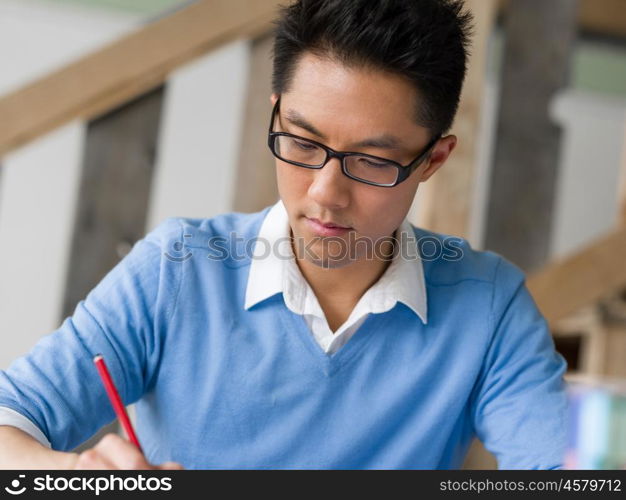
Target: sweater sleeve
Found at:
56, 385
14, 419
519, 405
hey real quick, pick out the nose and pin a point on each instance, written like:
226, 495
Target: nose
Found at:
330, 188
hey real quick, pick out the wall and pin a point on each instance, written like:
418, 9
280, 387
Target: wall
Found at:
38, 183
592, 112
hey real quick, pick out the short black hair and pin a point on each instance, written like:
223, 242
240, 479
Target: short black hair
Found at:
426, 41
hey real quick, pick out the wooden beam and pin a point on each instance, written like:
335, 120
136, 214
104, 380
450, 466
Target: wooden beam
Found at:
614, 318
446, 199
615, 350
523, 179
114, 192
565, 286
113, 202
603, 17
128, 67
606, 17
478, 458
585, 325
622, 192
256, 179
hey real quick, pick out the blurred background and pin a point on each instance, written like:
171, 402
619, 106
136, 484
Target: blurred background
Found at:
115, 114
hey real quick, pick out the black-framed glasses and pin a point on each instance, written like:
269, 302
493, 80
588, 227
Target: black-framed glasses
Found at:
361, 167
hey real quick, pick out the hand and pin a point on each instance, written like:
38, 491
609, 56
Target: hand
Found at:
113, 452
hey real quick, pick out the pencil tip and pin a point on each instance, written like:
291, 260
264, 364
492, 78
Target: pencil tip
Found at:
97, 357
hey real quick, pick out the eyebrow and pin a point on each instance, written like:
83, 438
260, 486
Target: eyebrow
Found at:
384, 141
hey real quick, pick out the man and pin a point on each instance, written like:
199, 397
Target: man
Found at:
347, 338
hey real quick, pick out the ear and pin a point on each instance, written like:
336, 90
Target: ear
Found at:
438, 156
273, 98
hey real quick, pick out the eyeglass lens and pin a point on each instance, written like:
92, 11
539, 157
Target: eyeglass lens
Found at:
304, 152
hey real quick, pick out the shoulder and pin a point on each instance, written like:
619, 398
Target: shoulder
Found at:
449, 259
194, 231
225, 237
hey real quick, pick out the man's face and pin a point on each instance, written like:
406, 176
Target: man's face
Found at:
347, 106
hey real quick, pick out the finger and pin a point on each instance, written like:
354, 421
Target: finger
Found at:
122, 454
92, 460
171, 466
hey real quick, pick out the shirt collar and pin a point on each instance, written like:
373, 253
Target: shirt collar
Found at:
272, 262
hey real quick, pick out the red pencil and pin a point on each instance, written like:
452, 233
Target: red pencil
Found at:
116, 401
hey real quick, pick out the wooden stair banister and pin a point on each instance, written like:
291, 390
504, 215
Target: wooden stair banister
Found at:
128, 67
566, 285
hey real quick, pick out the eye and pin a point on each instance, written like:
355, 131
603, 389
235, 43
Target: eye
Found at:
304, 146
371, 163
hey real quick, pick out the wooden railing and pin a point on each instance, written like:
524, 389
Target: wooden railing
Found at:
569, 284
128, 68
592, 274
137, 63
597, 16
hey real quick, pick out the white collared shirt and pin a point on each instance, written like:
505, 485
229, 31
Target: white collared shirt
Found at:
276, 271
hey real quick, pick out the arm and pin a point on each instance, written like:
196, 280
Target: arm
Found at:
20, 450
56, 385
15, 419
519, 404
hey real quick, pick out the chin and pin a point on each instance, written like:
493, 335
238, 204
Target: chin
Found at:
329, 263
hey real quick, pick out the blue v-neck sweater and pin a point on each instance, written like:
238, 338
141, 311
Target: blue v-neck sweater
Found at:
218, 386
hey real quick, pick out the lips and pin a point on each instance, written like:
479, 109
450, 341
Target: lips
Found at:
326, 229
330, 225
